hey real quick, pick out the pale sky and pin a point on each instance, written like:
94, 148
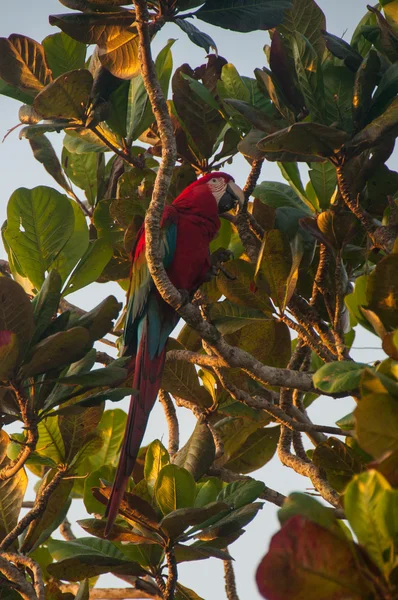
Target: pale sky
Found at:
18, 168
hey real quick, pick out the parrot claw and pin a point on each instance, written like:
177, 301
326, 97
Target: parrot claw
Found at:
217, 259
220, 256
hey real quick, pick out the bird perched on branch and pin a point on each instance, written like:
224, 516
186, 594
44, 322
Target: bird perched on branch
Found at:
188, 226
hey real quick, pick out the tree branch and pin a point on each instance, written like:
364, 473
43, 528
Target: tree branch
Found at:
230, 581
172, 422
172, 574
382, 237
32, 436
17, 580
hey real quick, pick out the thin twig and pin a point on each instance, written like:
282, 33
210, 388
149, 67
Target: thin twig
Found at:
103, 358
135, 161
38, 508
172, 422
65, 530
309, 338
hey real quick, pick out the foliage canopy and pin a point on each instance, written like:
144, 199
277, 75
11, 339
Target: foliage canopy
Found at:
314, 258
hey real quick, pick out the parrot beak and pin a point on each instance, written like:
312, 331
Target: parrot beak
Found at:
232, 196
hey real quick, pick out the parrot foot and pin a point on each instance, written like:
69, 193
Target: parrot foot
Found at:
217, 259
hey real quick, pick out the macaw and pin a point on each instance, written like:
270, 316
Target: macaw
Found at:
188, 226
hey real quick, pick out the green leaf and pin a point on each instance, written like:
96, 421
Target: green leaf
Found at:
341, 49
39, 224
311, 139
203, 40
243, 15
240, 493
119, 55
376, 417
382, 291
67, 97
44, 152
91, 265
200, 118
56, 508
181, 379
77, 430
8, 354
99, 320
175, 523
156, 458
63, 53
106, 28
174, 488
255, 452
88, 557
111, 428
366, 505
207, 491
82, 171
309, 76
50, 441
75, 247
276, 194
380, 129
308, 507
16, 313
12, 491
320, 565
305, 18
337, 377
231, 523
291, 173
16, 94
46, 303
229, 317
242, 290
275, 264
339, 462
198, 454
57, 350
23, 63
184, 593
106, 472
323, 178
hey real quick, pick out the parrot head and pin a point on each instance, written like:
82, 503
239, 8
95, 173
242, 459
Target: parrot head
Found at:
224, 189
217, 190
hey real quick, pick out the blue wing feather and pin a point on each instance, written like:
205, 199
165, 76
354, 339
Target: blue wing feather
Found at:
143, 303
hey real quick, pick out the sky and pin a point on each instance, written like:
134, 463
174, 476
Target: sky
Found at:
19, 169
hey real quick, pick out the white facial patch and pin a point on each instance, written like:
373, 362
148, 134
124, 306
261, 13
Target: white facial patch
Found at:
217, 187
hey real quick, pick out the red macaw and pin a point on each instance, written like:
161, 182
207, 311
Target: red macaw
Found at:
188, 226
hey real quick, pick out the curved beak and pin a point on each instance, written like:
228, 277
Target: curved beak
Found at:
232, 196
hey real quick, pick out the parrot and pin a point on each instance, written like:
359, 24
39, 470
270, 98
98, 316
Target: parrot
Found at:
188, 226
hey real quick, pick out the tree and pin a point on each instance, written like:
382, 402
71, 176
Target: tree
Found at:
262, 341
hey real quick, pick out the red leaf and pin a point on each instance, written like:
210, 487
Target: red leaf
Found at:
307, 562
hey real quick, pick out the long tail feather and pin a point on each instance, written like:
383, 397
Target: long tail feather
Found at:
147, 379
